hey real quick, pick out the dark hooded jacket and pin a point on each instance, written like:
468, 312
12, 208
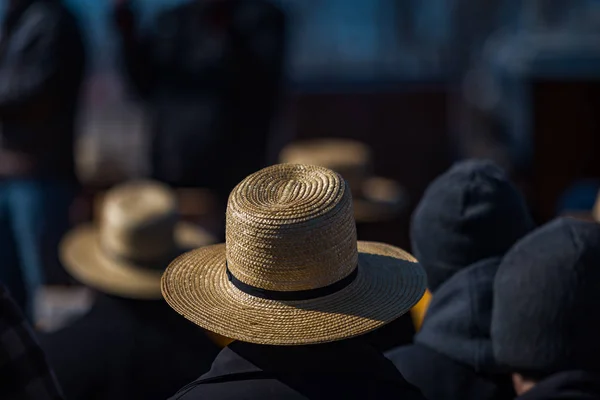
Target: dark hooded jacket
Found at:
452, 357
348, 369
470, 213
569, 385
546, 299
128, 349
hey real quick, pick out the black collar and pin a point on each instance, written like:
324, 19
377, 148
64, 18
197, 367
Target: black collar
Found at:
349, 368
352, 357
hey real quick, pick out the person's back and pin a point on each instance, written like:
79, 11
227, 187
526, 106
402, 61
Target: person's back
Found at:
131, 345
292, 286
42, 62
349, 369
452, 357
544, 324
128, 349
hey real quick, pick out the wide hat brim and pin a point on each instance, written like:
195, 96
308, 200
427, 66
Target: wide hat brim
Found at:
379, 199
388, 284
84, 259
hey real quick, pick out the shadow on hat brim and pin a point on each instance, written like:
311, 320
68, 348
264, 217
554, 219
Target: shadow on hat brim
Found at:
388, 284
85, 261
380, 199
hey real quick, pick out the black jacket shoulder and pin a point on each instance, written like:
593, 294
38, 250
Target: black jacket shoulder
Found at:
349, 369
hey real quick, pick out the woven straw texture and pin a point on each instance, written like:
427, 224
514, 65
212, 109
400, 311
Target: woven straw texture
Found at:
347, 157
290, 228
137, 236
375, 198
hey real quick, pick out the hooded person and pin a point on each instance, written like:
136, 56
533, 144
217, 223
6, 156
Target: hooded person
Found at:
468, 218
297, 292
470, 213
131, 345
544, 323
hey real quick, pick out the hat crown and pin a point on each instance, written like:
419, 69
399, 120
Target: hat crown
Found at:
290, 227
350, 158
137, 221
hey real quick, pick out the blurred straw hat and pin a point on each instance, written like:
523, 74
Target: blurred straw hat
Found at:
375, 198
596, 209
291, 271
138, 234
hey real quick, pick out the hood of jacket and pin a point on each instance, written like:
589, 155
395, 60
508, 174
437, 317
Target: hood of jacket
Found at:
458, 320
470, 213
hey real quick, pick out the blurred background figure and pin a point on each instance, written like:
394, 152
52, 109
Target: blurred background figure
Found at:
209, 72
130, 345
41, 69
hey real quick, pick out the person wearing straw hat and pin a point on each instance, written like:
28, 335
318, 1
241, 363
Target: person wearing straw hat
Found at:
296, 291
468, 218
375, 200
131, 345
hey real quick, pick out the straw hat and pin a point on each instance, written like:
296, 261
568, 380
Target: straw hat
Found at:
375, 198
291, 271
596, 209
138, 235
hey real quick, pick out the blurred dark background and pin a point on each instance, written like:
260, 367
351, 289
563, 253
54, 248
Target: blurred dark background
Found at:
423, 84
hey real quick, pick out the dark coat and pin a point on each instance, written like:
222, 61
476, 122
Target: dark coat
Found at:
42, 63
127, 349
24, 370
210, 73
570, 385
546, 298
452, 357
349, 369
